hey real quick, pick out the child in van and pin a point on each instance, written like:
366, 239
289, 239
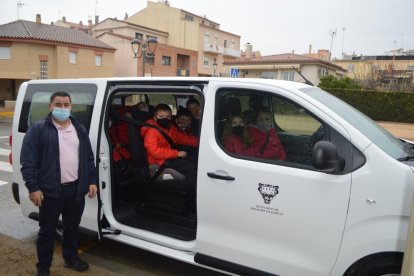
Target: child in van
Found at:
266, 141
160, 151
236, 138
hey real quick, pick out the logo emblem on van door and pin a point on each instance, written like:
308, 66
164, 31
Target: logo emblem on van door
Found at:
268, 192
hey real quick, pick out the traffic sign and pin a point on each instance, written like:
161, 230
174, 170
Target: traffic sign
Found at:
234, 72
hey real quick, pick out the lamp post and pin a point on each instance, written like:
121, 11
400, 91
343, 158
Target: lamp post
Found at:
147, 48
214, 68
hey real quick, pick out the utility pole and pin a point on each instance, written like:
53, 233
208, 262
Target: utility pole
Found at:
332, 33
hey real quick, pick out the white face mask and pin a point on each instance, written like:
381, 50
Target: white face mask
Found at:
144, 109
61, 114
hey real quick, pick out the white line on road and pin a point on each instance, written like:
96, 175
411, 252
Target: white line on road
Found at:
4, 152
4, 137
5, 166
3, 183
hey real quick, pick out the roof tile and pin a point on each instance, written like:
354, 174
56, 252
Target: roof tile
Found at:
23, 29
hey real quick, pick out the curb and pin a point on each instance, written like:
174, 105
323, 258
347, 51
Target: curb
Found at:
8, 114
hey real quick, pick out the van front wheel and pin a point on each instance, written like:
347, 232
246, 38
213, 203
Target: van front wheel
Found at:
380, 264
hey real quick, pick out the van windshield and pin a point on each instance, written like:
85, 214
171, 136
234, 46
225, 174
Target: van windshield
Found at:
379, 136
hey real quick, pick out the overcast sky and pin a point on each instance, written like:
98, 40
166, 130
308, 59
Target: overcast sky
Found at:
372, 27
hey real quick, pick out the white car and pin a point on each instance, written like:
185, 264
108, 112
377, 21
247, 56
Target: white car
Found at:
337, 203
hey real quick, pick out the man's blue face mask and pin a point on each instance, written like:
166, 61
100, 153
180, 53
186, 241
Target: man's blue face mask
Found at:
61, 114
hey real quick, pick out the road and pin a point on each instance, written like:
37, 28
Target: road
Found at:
111, 257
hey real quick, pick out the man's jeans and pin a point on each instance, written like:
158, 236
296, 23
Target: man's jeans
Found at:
71, 210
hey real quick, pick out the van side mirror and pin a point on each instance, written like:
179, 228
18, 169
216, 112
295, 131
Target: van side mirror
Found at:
325, 158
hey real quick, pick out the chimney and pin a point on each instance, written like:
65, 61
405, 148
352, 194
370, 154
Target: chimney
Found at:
249, 50
96, 19
38, 18
310, 49
90, 23
293, 51
80, 23
64, 19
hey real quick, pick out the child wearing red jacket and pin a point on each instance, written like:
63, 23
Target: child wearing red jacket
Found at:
159, 150
266, 141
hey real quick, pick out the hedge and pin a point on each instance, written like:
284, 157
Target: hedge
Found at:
379, 106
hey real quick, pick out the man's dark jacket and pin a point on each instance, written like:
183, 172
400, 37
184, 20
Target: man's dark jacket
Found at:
40, 159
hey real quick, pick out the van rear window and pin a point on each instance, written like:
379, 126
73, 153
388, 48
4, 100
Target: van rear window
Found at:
36, 102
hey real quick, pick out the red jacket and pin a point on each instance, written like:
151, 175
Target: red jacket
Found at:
273, 149
158, 148
234, 144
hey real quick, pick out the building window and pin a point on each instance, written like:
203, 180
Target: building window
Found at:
269, 75
138, 36
189, 17
149, 36
73, 57
205, 62
98, 60
207, 38
5, 52
43, 69
225, 43
288, 75
149, 59
166, 60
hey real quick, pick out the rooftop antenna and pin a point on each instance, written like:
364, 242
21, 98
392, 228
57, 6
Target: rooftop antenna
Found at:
20, 5
332, 33
96, 7
343, 37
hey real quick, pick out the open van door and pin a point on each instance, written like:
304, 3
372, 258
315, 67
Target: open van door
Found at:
259, 215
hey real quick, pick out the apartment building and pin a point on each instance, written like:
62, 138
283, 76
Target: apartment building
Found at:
32, 50
189, 31
377, 71
287, 66
167, 61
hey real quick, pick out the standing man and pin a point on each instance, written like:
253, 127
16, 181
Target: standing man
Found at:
59, 170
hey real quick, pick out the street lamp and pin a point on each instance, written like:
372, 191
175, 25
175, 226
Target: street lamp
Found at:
147, 48
214, 68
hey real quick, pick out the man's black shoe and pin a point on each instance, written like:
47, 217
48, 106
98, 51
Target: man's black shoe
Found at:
42, 273
77, 264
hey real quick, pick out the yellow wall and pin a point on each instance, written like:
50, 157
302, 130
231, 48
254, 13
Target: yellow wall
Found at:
85, 66
182, 33
25, 64
363, 69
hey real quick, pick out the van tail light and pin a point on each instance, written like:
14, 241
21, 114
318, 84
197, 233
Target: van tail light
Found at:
10, 154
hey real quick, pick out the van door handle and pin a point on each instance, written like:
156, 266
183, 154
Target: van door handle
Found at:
223, 177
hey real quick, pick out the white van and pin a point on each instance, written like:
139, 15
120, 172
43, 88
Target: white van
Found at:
338, 205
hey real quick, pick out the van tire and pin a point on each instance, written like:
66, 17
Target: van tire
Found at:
386, 263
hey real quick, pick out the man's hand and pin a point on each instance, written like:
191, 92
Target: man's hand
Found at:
36, 198
93, 189
182, 154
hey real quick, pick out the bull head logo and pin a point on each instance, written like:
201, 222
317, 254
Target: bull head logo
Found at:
268, 192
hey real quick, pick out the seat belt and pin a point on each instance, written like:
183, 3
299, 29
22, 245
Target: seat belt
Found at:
162, 132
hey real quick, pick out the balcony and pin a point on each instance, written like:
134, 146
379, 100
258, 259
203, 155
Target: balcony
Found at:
215, 49
183, 72
229, 52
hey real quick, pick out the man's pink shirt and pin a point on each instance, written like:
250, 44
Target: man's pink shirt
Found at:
68, 152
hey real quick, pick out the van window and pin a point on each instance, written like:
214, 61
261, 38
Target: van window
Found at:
274, 129
36, 102
379, 136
